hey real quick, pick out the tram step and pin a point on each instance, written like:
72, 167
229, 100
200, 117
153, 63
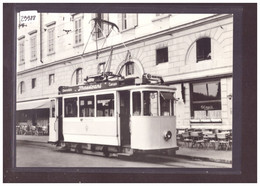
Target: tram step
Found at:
96, 153
124, 154
127, 149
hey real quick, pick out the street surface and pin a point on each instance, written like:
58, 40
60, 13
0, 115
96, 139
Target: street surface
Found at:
38, 154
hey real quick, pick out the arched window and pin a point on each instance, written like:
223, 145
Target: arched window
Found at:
78, 76
203, 47
132, 68
129, 68
21, 87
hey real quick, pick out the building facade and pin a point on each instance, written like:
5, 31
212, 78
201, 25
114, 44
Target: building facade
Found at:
192, 52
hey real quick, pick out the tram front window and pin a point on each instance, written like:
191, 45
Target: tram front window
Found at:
105, 105
52, 109
71, 107
136, 103
150, 103
86, 106
166, 102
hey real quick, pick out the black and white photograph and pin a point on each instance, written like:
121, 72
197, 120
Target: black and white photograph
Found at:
128, 90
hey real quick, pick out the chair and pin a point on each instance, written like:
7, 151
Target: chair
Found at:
223, 141
33, 130
18, 129
45, 130
178, 137
197, 139
230, 140
186, 138
40, 130
210, 139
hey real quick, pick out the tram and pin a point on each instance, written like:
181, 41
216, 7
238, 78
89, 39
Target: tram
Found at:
122, 116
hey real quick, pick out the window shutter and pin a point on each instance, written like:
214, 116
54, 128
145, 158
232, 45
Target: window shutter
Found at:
79, 31
53, 39
119, 17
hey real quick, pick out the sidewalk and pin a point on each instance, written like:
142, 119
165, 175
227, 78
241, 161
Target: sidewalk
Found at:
220, 156
43, 139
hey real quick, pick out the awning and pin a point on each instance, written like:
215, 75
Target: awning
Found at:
28, 105
167, 95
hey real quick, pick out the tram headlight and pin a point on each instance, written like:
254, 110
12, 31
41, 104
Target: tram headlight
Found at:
167, 135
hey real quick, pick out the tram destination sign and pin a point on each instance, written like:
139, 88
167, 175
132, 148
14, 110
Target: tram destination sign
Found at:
87, 87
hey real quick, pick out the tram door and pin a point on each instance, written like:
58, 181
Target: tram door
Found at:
55, 120
125, 117
60, 130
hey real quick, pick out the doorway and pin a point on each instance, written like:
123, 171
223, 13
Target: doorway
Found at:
125, 117
60, 127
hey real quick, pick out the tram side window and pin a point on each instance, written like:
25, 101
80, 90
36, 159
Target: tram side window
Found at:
150, 103
166, 102
136, 103
86, 106
71, 107
105, 105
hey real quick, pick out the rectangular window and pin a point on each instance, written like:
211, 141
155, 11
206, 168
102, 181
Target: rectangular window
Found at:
101, 67
129, 21
86, 106
136, 103
71, 108
206, 100
150, 103
33, 47
105, 105
51, 79
78, 31
203, 49
162, 55
100, 25
51, 40
129, 68
21, 51
166, 102
33, 83
22, 87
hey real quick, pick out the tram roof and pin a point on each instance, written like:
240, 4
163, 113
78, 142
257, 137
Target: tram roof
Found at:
109, 86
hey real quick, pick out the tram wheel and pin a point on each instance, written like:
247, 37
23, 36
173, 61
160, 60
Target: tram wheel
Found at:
105, 151
93, 148
78, 149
